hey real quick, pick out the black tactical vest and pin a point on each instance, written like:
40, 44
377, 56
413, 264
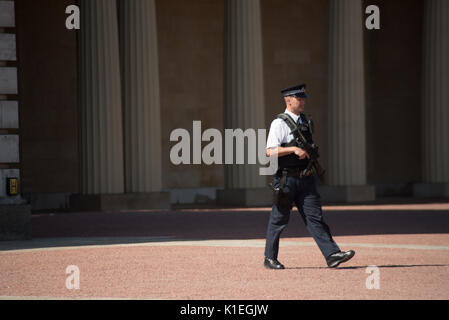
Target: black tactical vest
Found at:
292, 160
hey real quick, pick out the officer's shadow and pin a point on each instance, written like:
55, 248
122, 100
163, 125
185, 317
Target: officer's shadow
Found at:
365, 267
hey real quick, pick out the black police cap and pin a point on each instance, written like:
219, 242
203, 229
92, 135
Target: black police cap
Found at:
297, 91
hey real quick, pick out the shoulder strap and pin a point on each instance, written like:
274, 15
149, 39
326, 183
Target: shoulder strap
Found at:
290, 122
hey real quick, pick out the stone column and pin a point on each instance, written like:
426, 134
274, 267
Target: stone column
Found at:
100, 107
435, 103
244, 93
346, 125
141, 102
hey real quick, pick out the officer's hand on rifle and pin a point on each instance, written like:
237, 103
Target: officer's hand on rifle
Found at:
300, 153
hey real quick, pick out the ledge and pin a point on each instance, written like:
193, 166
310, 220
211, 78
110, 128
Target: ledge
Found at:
251, 197
126, 201
15, 222
347, 194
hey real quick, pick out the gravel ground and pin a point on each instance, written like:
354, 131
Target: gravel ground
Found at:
218, 254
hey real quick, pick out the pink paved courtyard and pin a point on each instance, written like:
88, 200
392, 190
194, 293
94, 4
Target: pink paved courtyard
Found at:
217, 254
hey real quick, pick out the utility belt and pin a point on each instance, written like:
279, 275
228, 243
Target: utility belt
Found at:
280, 199
297, 172
283, 173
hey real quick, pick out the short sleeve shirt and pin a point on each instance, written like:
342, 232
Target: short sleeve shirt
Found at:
280, 132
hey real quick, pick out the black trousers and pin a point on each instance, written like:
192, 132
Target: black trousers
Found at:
302, 193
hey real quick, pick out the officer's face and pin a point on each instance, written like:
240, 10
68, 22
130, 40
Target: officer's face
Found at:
302, 103
297, 104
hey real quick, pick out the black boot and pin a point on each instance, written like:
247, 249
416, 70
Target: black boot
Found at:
272, 264
335, 259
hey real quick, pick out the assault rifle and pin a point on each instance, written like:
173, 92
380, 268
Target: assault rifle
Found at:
311, 149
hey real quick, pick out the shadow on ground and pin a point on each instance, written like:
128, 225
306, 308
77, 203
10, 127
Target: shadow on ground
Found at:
380, 267
99, 228
232, 224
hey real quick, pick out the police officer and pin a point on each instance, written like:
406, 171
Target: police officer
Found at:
296, 185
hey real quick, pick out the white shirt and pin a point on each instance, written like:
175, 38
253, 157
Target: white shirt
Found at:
280, 132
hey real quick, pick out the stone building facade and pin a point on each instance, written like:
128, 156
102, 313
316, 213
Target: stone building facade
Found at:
86, 115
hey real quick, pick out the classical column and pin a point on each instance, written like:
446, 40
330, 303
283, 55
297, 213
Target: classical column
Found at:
244, 94
435, 104
141, 102
346, 126
100, 107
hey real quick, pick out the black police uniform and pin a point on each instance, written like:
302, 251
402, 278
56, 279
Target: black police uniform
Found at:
299, 191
